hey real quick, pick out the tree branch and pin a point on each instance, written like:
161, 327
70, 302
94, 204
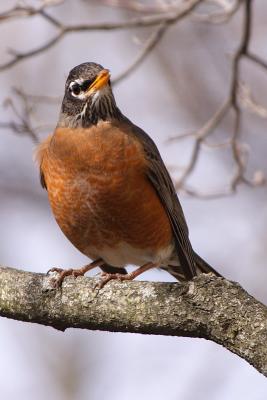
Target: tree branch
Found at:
207, 307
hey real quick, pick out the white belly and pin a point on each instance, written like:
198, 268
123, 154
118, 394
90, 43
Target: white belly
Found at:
124, 254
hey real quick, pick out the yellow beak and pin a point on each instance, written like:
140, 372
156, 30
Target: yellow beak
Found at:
100, 81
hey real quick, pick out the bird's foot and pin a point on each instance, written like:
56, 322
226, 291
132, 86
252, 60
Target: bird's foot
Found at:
105, 277
62, 273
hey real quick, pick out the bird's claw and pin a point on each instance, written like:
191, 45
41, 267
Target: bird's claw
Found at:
105, 277
54, 269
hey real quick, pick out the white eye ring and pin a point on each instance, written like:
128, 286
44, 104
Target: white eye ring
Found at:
75, 89
80, 94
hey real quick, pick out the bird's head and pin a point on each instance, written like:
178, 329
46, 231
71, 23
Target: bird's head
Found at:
88, 97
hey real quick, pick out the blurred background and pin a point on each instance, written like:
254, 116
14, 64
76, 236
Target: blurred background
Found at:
176, 89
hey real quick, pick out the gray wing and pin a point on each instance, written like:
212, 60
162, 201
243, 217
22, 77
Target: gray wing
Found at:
161, 180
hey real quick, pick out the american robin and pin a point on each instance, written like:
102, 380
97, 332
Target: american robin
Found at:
109, 189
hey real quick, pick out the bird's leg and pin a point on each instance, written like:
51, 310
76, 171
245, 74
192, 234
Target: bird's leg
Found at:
109, 269
74, 272
106, 277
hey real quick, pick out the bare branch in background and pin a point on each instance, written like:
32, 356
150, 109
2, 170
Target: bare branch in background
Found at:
157, 6
200, 137
258, 60
20, 11
162, 22
226, 9
147, 48
161, 15
24, 115
248, 102
167, 18
22, 124
231, 103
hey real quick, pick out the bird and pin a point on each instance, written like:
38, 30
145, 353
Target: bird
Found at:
109, 189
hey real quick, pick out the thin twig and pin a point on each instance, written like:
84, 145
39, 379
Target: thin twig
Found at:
146, 50
200, 136
242, 50
231, 103
19, 11
258, 60
168, 18
17, 57
138, 6
164, 17
226, 10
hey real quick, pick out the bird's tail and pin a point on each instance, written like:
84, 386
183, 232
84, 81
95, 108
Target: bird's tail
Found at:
201, 267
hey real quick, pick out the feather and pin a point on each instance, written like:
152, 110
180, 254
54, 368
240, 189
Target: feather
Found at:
159, 177
39, 155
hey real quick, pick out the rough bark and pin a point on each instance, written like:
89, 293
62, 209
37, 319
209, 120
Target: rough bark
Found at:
207, 307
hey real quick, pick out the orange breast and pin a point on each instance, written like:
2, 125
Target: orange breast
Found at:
99, 192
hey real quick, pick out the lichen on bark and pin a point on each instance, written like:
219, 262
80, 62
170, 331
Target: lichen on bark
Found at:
207, 307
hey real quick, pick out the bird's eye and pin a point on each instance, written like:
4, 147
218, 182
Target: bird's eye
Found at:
75, 89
